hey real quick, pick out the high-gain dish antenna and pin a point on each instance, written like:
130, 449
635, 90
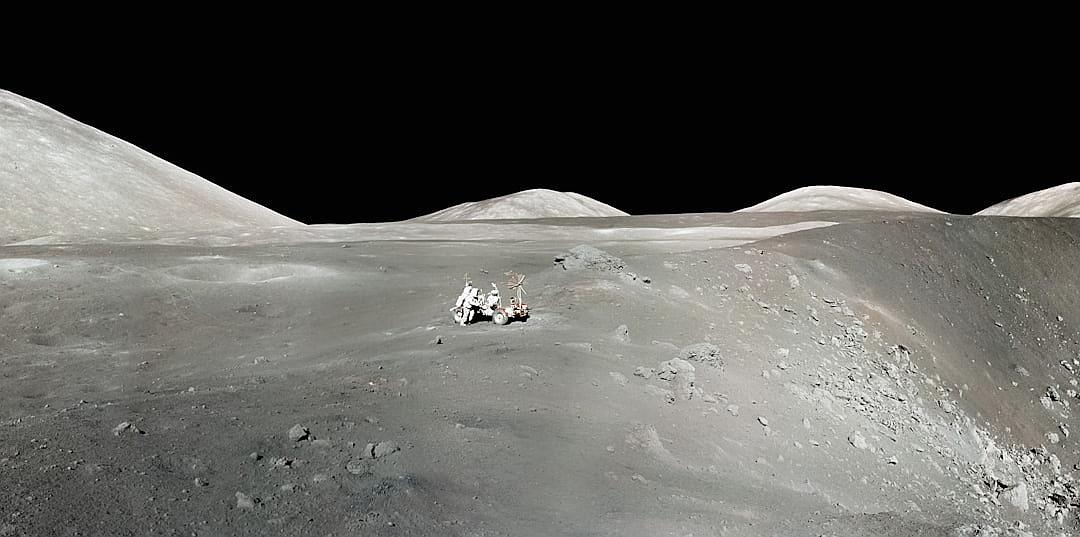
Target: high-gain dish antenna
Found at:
517, 283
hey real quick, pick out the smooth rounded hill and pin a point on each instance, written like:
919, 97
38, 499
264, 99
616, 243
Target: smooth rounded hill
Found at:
1060, 201
837, 198
527, 204
61, 177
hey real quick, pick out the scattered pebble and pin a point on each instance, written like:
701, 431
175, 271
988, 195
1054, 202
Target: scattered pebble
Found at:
733, 409
383, 449
622, 333
243, 501
856, 439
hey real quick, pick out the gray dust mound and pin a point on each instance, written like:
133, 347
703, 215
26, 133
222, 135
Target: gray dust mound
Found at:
61, 177
837, 198
1059, 201
527, 204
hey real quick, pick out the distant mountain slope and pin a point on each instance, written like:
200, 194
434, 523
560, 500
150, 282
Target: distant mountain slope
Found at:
59, 176
535, 203
1059, 201
837, 198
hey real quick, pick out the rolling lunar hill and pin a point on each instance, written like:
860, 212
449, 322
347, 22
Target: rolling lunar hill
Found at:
1059, 201
837, 198
527, 204
61, 177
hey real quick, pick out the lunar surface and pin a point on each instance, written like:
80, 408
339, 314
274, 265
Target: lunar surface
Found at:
1059, 201
888, 373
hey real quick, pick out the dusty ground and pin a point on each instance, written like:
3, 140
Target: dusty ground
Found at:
891, 375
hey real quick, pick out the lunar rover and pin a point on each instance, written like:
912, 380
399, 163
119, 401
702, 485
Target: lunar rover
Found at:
472, 302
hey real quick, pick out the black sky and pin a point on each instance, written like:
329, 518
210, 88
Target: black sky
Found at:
364, 134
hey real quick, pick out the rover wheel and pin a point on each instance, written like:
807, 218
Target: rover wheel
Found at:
459, 314
499, 317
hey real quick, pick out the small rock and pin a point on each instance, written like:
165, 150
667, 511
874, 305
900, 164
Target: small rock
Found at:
126, 427
644, 372
243, 501
288, 487
1016, 496
640, 479
622, 333
619, 378
733, 410
1053, 394
709, 398
892, 460
320, 478
1059, 318
200, 482
436, 341
856, 439
764, 422
383, 449
255, 456
356, 467
1053, 438
744, 268
783, 353
298, 433
793, 281
610, 449
947, 407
